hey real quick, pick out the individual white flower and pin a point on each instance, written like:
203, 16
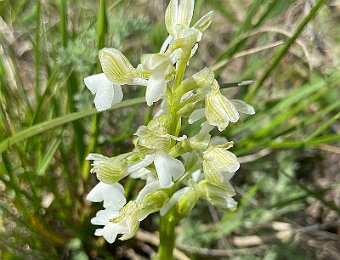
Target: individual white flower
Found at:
111, 194
178, 17
106, 92
220, 197
107, 86
161, 68
126, 223
154, 140
108, 170
155, 136
168, 168
219, 165
219, 111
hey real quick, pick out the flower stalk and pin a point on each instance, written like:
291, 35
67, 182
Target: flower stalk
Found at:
167, 237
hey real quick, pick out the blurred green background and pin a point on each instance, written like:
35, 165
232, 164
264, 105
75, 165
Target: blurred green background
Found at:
288, 186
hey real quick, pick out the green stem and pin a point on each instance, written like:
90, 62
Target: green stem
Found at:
167, 222
175, 120
37, 51
167, 238
101, 33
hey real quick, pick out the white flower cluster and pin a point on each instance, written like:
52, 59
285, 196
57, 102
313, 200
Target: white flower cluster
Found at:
204, 165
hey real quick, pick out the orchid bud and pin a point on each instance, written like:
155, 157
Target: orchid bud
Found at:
204, 22
219, 110
182, 202
219, 165
116, 66
203, 78
127, 222
151, 203
108, 170
202, 139
178, 13
220, 197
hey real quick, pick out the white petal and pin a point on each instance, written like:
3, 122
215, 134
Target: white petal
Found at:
118, 94
166, 44
243, 107
103, 216
113, 198
140, 174
156, 88
194, 50
231, 203
104, 96
110, 232
96, 157
96, 195
218, 140
98, 232
233, 115
149, 188
233, 164
167, 167
197, 175
185, 11
171, 16
139, 82
119, 187
94, 82
141, 164
175, 55
228, 175
196, 115
204, 22
111, 194
179, 139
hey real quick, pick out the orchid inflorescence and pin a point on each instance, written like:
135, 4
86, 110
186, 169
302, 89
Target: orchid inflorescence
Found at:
177, 170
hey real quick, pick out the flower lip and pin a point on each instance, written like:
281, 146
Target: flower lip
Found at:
106, 93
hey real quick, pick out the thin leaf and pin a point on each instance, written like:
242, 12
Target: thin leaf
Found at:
57, 122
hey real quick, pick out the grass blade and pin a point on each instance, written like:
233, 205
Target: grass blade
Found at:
279, 55
57, 122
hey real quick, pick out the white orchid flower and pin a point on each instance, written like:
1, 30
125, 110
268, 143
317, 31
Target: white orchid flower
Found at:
220, 197
111, 194
168, 169
219, 110
107, 86
107, 93
160, 66
219, 165
153, 140
125, 223
178, 18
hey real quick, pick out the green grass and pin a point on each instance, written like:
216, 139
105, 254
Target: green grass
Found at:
48, 123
